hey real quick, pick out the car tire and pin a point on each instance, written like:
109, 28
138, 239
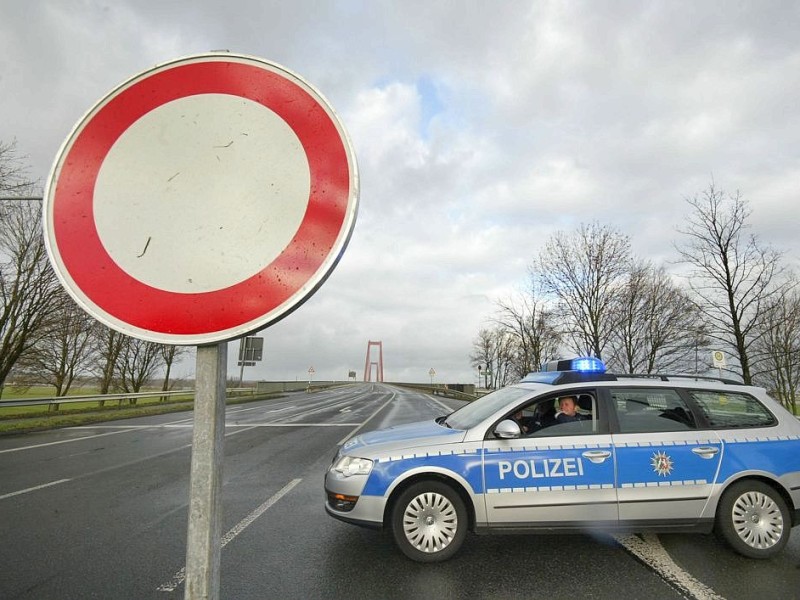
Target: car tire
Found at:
429, 521
753, 519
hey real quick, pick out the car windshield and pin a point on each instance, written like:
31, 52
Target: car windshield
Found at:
470, 415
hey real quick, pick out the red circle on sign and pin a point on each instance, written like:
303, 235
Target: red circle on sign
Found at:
291, 274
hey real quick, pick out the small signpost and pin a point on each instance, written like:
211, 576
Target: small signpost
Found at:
310, 378
200, 201
250, 352
718, 358
432, 372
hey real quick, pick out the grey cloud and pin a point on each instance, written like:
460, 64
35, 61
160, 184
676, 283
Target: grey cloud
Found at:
547, 114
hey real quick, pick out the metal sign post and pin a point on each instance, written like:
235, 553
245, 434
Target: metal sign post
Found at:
205, 497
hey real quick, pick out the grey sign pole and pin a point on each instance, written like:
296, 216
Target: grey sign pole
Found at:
205, 497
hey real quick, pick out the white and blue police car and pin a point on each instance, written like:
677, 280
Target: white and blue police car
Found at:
576, 449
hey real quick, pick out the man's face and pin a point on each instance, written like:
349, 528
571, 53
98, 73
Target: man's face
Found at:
567, 406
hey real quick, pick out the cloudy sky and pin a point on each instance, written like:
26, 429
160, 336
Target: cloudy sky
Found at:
480, 130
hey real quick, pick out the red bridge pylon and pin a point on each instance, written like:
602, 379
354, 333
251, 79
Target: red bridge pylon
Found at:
368, 364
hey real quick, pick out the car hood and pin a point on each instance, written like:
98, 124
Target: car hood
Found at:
422, 433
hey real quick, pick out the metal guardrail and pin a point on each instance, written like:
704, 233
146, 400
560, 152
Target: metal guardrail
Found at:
55, 401
438, 390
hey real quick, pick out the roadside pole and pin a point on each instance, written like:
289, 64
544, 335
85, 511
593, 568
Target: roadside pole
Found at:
205, 496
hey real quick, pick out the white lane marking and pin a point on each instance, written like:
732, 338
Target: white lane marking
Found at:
118, 466
149, 457
241, 410
242, 430
33, 489
281, 409
442, 404
180, 576
176, 421
294, 425
248, 520
357, 429
118, 428
189, 420
345, 409
86, 437
233, 425
133, 427
324, 406
649, 550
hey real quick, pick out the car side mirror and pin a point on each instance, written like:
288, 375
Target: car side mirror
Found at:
507, 430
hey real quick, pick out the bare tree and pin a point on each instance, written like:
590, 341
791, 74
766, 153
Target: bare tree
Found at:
27, 282
531, 324
733, 276
777, 366
483, 351
656, 323
107, 345
169, 354
584, 270
138, 362
505, 357
493, 350
65, 351
14, 180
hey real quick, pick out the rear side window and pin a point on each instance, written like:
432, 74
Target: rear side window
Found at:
645, 410
731, 410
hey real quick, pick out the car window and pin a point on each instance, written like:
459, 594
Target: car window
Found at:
473, 413
725, 409
651, 410
549, 420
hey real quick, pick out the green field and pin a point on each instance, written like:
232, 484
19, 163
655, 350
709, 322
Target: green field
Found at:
11, 392
21, 419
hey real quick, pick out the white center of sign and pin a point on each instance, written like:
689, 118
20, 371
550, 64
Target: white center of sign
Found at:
213, 188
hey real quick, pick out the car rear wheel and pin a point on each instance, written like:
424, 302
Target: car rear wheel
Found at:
753, 518
429, 521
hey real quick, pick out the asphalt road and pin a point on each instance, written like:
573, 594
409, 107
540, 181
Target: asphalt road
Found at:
101, 512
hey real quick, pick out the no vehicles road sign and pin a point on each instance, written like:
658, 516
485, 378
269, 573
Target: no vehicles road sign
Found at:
201, 200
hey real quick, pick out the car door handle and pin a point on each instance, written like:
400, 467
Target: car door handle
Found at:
596, 456
706, 451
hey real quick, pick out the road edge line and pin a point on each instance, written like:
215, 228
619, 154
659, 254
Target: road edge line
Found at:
649, 550
180, 576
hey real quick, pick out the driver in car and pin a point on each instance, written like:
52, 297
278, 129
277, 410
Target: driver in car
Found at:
568, 405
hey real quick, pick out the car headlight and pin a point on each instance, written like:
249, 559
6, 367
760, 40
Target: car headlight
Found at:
352, 465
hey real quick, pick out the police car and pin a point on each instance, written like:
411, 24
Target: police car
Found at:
576, 449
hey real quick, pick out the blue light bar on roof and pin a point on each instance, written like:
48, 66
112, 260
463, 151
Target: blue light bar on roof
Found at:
569, 370
588, 364
583, 364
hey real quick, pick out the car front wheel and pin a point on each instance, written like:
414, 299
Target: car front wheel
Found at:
429, 521
753, 518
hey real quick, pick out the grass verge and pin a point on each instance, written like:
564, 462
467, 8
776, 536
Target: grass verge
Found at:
13, 424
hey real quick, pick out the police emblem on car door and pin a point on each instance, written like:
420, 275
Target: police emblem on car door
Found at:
666, 466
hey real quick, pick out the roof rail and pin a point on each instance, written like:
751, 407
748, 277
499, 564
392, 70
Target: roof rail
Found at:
669, 376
